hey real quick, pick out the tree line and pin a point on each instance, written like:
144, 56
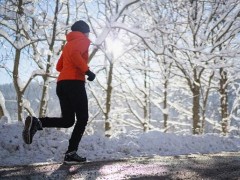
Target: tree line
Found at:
159, 64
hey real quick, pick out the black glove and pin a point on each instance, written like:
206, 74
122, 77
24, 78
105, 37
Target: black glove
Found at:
91, 75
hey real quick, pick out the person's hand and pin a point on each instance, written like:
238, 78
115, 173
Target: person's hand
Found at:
91, 75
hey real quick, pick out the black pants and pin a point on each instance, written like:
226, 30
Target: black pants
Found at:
73, 101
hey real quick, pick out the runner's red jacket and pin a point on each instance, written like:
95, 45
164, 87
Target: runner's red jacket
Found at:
73, 62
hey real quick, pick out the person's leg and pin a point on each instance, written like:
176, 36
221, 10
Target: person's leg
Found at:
68, 115
32, 124
80, 106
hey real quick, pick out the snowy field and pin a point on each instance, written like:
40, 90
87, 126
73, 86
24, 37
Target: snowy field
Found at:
50, 145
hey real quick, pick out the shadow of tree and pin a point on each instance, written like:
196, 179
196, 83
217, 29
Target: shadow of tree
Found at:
212, 167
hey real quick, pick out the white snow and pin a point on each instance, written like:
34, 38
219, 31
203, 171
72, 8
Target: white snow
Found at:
50, 145
2, 105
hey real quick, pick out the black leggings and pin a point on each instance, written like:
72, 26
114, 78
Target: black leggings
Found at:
73, 101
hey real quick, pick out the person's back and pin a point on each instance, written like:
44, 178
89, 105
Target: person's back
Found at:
73, 62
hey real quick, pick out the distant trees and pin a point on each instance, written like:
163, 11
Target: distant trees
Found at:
197, 37
204, 48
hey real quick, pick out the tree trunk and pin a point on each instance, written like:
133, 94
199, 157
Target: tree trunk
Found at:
146, 102
19, 93
224, 101
205, 100
44, 98
165, 113
108, 102
16, 84
195, 109
146, 113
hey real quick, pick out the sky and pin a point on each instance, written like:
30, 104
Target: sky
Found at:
50, 145
4, 77
26, 66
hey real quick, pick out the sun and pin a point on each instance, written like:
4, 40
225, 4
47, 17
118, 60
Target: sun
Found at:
114, 46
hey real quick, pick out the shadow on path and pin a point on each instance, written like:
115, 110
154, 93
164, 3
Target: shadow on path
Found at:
209, 166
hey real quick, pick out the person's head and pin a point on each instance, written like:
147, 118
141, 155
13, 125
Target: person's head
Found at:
81, 26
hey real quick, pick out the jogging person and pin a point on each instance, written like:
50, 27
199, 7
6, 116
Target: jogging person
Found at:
73, 66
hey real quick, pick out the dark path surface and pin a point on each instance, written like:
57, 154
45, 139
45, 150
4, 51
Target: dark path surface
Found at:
209, 166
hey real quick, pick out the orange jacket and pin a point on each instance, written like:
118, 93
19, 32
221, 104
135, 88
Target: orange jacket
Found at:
73, 62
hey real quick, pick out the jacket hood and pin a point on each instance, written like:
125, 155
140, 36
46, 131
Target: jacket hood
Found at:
75, 35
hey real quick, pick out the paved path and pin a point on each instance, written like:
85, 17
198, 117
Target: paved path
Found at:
209, 166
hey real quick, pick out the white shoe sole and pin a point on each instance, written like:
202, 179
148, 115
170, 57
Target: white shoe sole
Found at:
73, 162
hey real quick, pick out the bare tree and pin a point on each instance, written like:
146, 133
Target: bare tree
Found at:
112, 12
137, 89
203, 23
12, 21
51, 57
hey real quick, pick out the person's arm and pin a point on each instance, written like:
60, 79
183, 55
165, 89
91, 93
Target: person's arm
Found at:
91, 75
59, 66
76, 55
78, 61
82, 65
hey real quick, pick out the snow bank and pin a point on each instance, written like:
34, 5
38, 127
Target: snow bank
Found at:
50, 145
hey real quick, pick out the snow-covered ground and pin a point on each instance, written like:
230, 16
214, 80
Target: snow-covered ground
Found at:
50, 145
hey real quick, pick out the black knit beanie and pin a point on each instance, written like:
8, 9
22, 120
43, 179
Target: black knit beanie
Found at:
80, 26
